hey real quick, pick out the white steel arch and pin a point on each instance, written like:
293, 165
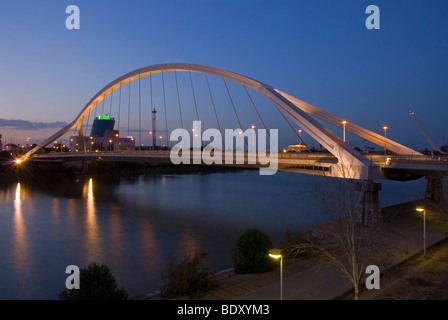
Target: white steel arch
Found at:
351, 163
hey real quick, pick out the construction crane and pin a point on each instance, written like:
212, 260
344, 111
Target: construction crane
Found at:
428, 138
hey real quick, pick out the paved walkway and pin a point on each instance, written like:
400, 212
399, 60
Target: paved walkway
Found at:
304, 279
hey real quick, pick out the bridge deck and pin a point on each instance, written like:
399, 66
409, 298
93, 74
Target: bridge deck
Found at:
392, 166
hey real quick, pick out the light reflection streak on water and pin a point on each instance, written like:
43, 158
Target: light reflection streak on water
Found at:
189, 243
116, 231
148, 242
134, 231
55, 211
71, 219
21, 252
92, 244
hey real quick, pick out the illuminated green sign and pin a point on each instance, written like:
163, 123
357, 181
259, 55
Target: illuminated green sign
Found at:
103, 118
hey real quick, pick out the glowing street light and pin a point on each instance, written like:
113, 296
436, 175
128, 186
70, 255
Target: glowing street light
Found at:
277, 254
385, 138
344, 122
424, 229
300, 135
254, 139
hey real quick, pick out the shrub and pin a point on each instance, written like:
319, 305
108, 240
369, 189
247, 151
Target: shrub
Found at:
189, 277
96, 283
250, 253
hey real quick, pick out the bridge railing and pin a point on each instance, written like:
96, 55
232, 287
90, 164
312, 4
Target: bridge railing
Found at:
390, 159
383, 160
280, 155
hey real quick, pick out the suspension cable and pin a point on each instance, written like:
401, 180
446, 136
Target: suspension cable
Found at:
94, 115
129, 106
139, 111
233, 105
164, 106
111, 99
264, 125
294, 130
178, 101
102, 108
259, 116
119, 109
87, 123
194, 96
151, 106
213, 102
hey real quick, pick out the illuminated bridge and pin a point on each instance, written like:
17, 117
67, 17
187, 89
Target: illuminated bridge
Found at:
400, 168
150, 103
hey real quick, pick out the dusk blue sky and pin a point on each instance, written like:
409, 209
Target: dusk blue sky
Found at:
318, 51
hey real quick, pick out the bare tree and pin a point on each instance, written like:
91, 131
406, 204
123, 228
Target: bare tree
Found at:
437, 211
344, 241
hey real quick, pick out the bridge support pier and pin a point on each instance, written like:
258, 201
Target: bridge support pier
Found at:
434, 188
368, 206
85, 167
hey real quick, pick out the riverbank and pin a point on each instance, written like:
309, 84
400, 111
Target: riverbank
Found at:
30, 171
401, 239
417, 278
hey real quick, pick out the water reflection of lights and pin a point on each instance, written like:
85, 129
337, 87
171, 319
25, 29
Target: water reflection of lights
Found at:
92, 223
90, 199
19, 225
90, 192
17, 199
189, 243
22, 256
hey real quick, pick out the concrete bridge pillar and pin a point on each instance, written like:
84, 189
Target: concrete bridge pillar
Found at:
368, 206
434, 188
85, 167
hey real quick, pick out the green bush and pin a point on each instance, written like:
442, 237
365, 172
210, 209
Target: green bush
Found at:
96, 283
250, 253
189, 277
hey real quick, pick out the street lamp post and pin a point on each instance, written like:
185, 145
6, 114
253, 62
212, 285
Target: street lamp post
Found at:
253, 140
300, 135
424, 229
385, 139
277, 254
344, 123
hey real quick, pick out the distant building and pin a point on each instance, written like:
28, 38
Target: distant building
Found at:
10, 147
1, 142
103, 126
102, 137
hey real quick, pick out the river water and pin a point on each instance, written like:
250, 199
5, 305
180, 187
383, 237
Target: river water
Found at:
134, 224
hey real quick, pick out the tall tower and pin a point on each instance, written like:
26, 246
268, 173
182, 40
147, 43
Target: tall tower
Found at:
154, 128
1, 142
